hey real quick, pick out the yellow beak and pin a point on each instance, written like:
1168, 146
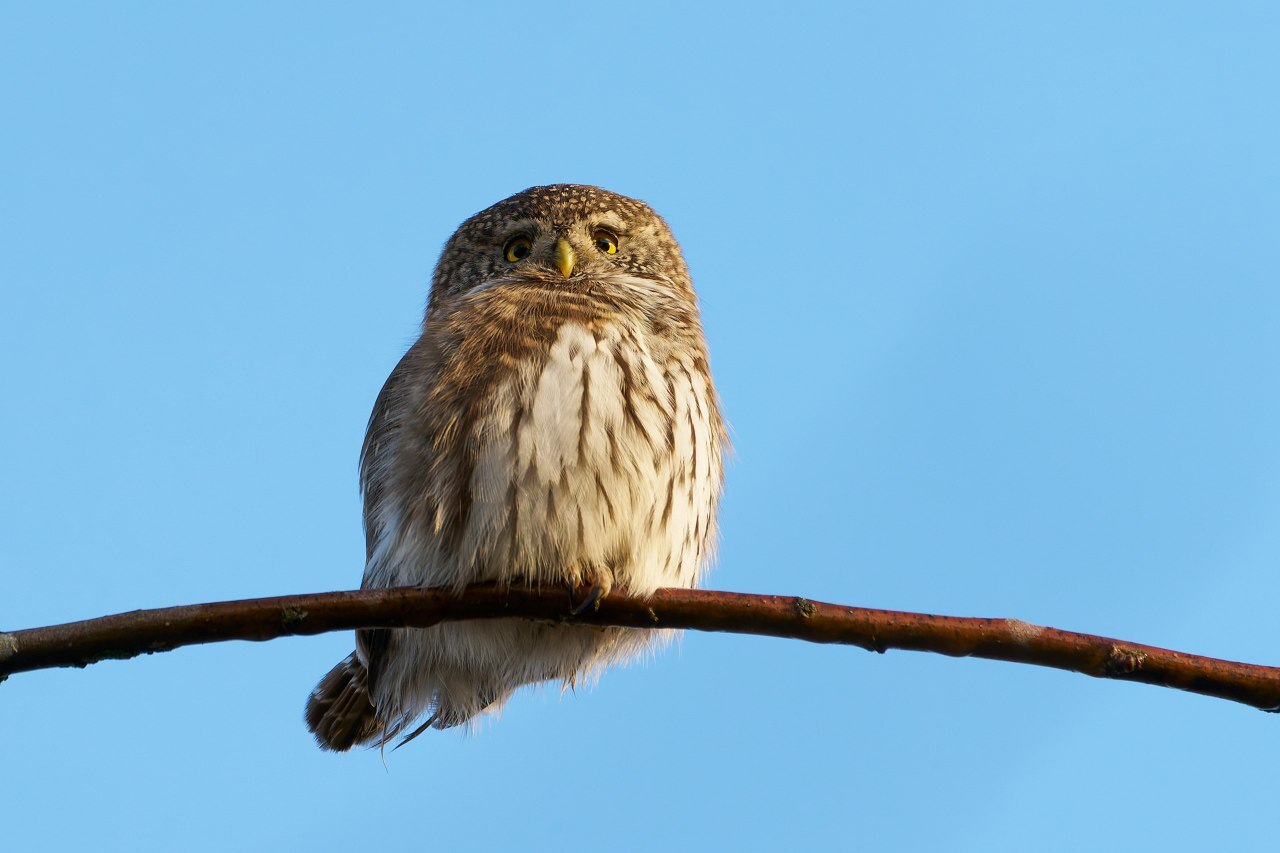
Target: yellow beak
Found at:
565, 257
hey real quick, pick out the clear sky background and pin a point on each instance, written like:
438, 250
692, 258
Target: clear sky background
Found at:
992, 297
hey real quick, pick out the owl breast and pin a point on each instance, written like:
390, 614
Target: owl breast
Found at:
557, 438
601, 455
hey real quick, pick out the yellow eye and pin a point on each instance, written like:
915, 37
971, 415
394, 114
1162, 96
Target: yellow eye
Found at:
606, 241
518, 248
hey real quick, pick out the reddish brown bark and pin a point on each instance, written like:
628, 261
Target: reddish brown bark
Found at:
126, 635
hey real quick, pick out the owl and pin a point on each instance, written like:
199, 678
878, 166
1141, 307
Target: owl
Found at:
555, 424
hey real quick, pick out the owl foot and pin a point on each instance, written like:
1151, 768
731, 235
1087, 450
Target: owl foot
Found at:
599, 582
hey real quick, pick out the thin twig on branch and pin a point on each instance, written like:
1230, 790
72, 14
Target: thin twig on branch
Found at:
126, 635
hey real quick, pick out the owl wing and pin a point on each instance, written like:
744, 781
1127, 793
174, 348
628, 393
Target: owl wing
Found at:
378, 463
377, 454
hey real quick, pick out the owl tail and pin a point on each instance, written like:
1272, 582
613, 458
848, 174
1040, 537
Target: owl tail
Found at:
339, 711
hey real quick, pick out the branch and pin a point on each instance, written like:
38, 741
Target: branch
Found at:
126, 635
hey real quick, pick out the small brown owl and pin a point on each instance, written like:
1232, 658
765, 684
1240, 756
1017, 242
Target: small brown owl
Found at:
555, 424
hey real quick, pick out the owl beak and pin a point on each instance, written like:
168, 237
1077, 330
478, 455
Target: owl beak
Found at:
565, 257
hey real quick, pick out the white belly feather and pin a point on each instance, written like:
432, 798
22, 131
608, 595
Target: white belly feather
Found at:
581, 477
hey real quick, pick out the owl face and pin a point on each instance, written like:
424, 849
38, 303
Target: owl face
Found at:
560, 235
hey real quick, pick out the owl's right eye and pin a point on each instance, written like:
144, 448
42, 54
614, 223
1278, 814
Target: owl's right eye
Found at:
517, 249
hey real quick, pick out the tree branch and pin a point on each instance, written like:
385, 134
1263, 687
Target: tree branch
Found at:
126, 635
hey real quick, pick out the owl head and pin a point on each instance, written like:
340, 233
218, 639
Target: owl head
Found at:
560, 235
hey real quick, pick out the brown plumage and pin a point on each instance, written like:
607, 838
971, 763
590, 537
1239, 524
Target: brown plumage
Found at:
555, 423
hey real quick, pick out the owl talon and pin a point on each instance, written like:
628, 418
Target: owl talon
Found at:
599, 582
594, 596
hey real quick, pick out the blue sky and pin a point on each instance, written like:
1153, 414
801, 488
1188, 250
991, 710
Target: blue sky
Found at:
992, 300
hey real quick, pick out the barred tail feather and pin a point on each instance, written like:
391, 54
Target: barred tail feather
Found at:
339, 711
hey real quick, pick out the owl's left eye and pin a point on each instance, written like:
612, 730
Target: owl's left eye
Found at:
517, 249
605, 240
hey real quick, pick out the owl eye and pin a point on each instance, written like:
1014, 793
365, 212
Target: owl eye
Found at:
605, 240
517, 249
